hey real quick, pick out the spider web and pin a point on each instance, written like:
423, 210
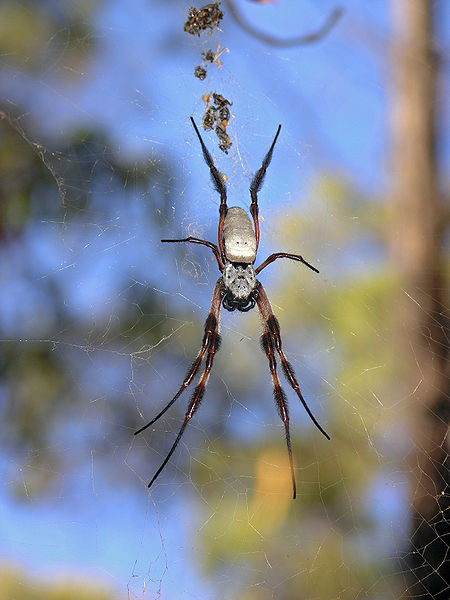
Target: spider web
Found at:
99, 322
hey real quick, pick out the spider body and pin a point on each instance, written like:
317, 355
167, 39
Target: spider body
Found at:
238, 289
238, 276
238, 237
239, 286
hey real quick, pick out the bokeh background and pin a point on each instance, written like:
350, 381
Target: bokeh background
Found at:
99, 321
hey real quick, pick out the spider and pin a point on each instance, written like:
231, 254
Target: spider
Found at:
238, 289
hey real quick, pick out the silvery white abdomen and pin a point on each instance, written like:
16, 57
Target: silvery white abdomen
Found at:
239, 237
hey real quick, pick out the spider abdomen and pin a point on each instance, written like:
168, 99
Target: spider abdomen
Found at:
239, 237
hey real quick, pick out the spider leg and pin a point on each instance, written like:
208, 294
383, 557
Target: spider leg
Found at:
211, 329
213, 247
272, 324
220, 187
211, 342
195, 400
280, 396
277, 255
256, 184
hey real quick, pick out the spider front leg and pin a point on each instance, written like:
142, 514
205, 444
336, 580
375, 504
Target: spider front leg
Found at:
271, 322
210, 345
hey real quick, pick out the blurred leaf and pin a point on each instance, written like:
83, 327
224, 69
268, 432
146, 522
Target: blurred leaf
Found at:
16, 585
34, 35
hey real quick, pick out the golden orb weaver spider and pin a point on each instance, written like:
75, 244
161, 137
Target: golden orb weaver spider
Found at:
238, 289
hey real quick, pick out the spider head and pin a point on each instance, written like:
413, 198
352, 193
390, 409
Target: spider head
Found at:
239, 287
231, 303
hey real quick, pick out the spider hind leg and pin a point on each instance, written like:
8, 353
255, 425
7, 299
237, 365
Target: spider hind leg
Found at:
220, 187
256, 185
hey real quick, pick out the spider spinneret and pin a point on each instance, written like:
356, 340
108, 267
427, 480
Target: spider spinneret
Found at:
238, 289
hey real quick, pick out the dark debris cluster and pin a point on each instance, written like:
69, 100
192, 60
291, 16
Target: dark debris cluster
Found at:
207, 17
209, 57
217, 114
200, 72
216, 117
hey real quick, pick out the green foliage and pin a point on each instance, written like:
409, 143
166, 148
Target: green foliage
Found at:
16, 585
32, 35
20, 169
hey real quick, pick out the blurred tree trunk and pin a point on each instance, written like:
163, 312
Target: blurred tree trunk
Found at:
415, 237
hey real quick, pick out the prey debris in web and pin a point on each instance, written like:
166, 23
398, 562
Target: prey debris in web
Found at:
206, 17
217, 116
200, 72
209, 57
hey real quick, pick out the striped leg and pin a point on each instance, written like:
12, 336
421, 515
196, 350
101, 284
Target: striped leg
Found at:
280, 397
274, 329
256, 185
220, 187
210, 345
277, 255
194, 240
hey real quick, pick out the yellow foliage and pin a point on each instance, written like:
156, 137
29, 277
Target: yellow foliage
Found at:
14, 584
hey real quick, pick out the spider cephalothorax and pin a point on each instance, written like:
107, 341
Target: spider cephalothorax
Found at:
238, 289
239, 286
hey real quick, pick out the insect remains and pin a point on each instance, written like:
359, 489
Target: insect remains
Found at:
206, 17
